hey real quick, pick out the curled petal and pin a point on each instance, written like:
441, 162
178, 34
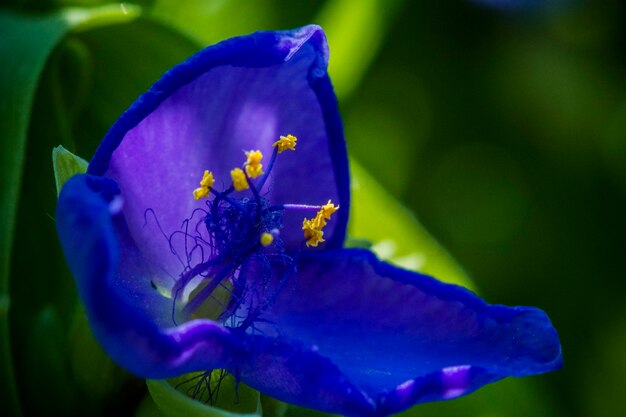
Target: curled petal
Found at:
403, 337
238, 95
296, 373
125, 312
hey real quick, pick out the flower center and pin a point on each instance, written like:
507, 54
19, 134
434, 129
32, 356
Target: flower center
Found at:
244, 263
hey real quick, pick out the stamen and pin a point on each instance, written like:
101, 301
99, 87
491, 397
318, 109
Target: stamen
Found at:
254, 168
282, 144
239, 179
206, 183
286, 143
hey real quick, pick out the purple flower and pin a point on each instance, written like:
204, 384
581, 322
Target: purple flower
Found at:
237, 279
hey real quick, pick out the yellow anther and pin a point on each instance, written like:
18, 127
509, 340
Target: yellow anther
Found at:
239, 179
312, 232
286, 142
254, 168
313, 227
327, 210
207, 180
266, 239
200, 193
206, 183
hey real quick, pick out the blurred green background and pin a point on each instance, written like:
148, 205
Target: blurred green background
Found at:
502, 129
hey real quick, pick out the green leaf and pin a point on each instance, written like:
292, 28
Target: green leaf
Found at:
395, 233
27, 42
65, 165
233, 400
273, 407
355, 31
147, 408
297, 411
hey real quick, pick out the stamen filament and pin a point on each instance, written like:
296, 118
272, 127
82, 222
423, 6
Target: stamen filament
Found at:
269, 169
255, 192
224, 196
299, 207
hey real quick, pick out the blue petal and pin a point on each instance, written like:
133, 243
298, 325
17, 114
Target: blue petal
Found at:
124, 311
238, 95
296, 373
403, 337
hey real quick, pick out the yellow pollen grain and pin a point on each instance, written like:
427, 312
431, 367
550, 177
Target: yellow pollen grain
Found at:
286, 143
254, 168
239, 179
266, 239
